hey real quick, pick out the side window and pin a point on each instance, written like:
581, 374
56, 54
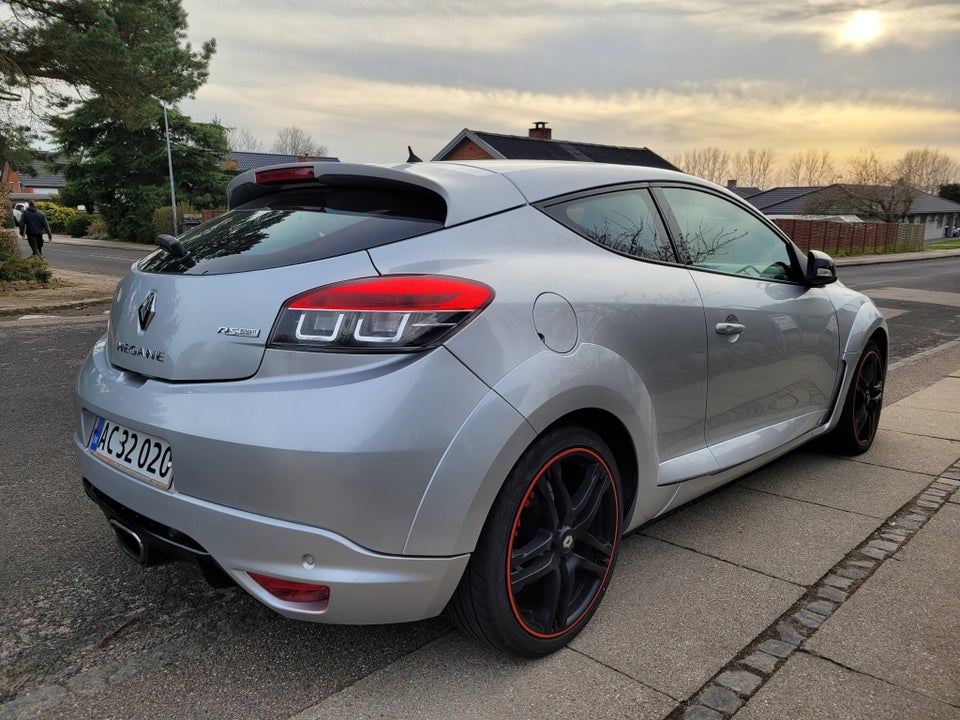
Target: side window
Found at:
718, 235
625, 222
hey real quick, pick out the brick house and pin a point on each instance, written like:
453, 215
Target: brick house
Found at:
539, 144
33, 184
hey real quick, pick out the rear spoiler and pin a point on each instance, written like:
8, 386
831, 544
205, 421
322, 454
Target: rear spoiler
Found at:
468, 192
255, 183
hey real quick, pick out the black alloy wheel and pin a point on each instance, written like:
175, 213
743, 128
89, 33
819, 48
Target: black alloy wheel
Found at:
548, 548
868, 398
861, 411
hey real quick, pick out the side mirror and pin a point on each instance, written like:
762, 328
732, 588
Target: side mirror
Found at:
820, 269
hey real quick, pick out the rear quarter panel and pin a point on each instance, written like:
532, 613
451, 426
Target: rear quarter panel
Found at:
640, 348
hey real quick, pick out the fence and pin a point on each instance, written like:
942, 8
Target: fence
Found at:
840, 239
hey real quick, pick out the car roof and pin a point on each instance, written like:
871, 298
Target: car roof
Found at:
479, 188
542, 179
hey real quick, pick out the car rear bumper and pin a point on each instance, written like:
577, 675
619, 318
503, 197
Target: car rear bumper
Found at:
347, 444
365, 587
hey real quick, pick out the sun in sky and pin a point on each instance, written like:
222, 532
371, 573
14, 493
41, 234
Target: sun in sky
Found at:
863, 27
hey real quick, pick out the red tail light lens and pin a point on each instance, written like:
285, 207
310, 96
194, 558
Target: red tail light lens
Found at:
390, 313
291, 591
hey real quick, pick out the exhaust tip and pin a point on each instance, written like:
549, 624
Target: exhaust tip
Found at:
130, 542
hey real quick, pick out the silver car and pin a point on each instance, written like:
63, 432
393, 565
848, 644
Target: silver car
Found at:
367, 394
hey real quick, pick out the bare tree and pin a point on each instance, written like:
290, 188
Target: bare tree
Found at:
811, 167
710, 163
291, 140
876, 187
873, 189
242, 139
886, 203
753, 168
927, 169
924, 168
870, 167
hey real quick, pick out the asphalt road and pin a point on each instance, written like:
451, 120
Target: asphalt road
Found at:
921, 301
77, 613
88, 258
86, 633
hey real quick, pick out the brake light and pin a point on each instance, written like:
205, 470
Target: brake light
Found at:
389, 313
284, 175
292, 591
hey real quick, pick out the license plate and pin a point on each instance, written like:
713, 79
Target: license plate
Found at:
143, 455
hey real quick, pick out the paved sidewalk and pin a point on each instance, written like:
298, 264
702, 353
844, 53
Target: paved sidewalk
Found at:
90, 242
817, 587
895, 257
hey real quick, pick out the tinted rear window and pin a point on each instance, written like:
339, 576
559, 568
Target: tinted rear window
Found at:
298, 226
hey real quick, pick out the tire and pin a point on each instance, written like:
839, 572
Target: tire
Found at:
861, 409
548, 548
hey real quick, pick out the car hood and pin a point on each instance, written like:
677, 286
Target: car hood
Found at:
210, 327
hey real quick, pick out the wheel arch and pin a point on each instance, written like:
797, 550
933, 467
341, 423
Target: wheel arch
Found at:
593, 386
860, 321
882, 340
864, 323
614, 433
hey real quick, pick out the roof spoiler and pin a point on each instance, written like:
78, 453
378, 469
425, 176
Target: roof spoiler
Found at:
260, 181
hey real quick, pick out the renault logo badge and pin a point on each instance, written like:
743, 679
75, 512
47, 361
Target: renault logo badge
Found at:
147, 309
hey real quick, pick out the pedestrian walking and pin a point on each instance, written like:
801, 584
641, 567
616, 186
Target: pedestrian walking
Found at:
33, 224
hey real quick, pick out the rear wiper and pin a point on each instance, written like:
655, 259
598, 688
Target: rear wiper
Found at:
174, 248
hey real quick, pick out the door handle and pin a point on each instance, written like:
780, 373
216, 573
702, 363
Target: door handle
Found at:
730, 328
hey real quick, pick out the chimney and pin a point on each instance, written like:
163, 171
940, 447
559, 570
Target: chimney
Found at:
731, 184
540, 131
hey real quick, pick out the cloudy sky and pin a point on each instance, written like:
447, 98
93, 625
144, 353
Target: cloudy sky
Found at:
366, 78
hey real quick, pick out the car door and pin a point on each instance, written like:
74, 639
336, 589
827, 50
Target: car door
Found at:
651, 315
773, 342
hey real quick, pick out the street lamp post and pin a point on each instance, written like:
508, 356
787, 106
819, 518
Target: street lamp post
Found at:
173, 194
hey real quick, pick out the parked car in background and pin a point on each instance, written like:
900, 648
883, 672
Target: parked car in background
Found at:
18, 209
367, 394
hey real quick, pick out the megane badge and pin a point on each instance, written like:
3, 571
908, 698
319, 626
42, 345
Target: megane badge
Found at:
147, 309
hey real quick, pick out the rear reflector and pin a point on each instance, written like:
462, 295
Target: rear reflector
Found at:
290, 591
284, 175
387, 314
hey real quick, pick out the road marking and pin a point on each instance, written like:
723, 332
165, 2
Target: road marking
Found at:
931, 297
890, 313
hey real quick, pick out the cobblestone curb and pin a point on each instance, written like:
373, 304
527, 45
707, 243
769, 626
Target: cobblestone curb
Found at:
726, 692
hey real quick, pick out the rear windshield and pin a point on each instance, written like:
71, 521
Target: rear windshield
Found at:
297, 226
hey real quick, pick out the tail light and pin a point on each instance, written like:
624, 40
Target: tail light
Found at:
388, 314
